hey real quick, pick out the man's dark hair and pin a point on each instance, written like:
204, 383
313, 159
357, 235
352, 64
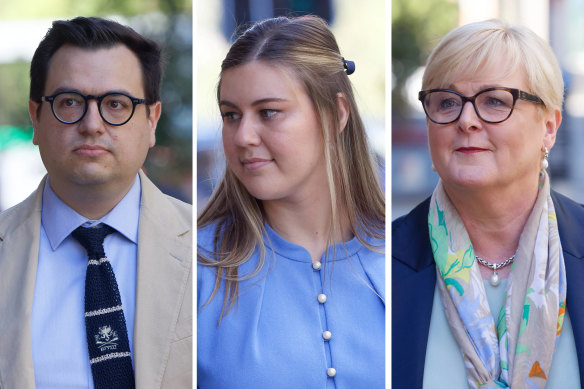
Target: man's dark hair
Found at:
97, 33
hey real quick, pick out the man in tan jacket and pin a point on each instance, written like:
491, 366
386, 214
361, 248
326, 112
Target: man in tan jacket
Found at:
94, 104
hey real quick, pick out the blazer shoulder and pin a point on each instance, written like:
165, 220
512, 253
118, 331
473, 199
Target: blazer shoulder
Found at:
183, 210
570, 216
164, 209
28, 209
410, 239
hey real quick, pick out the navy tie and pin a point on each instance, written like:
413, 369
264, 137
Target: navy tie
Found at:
107, 336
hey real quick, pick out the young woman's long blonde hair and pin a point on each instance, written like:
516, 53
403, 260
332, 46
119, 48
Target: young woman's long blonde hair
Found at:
306, 47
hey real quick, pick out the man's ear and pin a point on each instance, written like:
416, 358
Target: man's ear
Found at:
33, 108
343, 109
153, 117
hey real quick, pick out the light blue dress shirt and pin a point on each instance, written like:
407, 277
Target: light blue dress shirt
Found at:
59, 341
444, 367
274, 337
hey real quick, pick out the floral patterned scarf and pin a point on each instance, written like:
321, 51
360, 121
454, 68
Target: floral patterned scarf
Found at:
516, 351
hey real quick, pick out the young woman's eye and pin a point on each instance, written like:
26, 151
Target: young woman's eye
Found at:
268, 113
230, 116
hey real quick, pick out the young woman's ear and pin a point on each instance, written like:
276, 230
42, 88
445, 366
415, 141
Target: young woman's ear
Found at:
343, 108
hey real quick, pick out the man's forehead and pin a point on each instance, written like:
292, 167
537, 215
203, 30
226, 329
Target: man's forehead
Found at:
75, 51
93, 68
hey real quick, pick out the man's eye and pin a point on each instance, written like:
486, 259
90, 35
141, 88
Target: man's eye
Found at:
114, 104
69, 102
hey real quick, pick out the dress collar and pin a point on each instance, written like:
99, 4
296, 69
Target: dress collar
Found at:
295, 252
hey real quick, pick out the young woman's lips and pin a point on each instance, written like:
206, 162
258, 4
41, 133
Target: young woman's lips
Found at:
90, 150
470, 150
255, 163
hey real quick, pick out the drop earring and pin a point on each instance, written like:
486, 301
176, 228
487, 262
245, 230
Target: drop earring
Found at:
544, 162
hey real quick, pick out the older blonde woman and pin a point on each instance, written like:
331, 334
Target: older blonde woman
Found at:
485, 273
290, 246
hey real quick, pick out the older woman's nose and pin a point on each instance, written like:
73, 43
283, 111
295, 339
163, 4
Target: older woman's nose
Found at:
469, 120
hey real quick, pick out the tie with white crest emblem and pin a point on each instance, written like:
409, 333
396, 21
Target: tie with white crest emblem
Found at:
107, 336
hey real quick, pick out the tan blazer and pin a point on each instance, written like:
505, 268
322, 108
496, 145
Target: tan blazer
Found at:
163, 321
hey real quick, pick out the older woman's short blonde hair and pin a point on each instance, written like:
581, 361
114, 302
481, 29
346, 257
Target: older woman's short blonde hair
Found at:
475, 47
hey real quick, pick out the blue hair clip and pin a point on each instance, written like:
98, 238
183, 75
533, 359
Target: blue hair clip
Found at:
349, 66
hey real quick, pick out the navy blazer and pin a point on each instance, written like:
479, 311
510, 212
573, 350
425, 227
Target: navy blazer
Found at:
414, 279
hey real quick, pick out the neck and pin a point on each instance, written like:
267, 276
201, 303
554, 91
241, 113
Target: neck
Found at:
494, 219
308, 223
91, 201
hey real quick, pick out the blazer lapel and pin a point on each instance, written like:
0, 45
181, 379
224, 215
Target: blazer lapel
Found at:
19, 249
570, 217
163, 280
413, 283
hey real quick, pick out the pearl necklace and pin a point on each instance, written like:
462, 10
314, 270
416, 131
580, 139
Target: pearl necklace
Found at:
495, 266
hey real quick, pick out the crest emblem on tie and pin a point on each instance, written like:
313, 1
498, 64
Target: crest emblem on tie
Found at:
106, 338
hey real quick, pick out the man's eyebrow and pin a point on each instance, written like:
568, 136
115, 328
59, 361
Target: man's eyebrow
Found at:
70, 89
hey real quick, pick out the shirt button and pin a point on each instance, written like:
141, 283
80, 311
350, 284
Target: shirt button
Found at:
316, 265
327, 335
322, 298
331, 372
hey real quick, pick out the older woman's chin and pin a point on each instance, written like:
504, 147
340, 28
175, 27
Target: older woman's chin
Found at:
467, 176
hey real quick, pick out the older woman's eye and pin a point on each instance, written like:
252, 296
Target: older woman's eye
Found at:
493, 102
268, 113
448, 104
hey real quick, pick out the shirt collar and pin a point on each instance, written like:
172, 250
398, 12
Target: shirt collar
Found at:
59, 220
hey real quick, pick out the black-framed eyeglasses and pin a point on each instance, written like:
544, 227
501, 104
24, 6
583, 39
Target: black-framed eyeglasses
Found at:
115, 108
492, 105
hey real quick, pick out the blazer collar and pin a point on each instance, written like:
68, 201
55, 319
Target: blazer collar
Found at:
163, 295
412, 246
570, 216
413, 282
19, 248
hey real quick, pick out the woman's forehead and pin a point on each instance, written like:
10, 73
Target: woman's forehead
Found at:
490, 71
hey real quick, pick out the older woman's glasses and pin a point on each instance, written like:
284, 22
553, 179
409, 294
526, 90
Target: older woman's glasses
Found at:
115, 108
492, 105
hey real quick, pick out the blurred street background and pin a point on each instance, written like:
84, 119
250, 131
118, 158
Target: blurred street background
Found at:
417, 27
22, 26
359, 28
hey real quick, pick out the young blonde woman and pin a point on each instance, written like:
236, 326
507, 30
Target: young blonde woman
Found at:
291, 243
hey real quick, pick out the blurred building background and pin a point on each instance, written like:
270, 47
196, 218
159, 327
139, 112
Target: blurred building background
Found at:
23, 25
418, 25
360, 33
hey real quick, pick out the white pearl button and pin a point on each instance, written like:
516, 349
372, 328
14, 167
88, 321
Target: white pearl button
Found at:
316, 265
331, 372
326, 335
322, 298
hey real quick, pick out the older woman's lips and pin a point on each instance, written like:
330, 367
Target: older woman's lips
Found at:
470, 150
255, 163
